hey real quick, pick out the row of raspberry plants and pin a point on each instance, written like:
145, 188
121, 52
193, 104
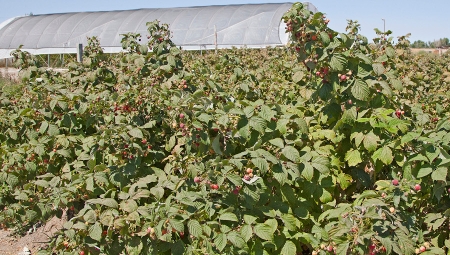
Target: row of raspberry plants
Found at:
332, 145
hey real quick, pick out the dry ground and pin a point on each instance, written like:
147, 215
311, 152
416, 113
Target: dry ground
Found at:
10, 245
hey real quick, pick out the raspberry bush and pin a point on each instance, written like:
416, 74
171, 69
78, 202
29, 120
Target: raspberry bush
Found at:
331, 145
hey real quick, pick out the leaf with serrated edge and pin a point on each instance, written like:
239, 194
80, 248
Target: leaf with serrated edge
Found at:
220, 241
277, 142
136, 132
289, 248
291, 153
236, 239
263, 231
228, 216
353, 157
246, 232
360, 90
308, 171
440, 174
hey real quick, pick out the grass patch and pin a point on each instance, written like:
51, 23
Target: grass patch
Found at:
9, 87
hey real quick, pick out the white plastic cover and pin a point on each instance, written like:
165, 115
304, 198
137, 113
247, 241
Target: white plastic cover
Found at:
193, 28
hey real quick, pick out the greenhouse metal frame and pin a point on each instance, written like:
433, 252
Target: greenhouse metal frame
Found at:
193, 28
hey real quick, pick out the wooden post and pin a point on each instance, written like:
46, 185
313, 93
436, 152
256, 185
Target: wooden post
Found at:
80, 53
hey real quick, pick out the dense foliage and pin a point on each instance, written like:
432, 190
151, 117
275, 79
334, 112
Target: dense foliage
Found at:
332, 145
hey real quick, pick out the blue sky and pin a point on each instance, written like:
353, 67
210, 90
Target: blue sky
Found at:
425, 20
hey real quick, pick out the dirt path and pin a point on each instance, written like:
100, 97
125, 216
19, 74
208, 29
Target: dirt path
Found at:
35, 241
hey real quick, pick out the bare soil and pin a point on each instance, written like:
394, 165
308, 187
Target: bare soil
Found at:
11, 73
39, 239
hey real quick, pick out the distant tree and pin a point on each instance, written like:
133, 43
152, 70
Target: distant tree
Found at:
419, 44
443, 42
432, 44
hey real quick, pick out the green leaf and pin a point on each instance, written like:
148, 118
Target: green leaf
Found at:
338, 62
136, 132
290, 222
236, 239
282, 125
424, 171
177, 225
325, 38
129, 206
382, 58
220, 241
358, 137
390, 52
342, 249
378, 68
150, 124
263, 231
205, 118
158, 192
109, 202
277, 142
360, 90
397, 84
291, 153
177, 248
53, 130
195, 228
95, 232
298, 76
12, 180
289, 248
326, 196
344, 180
384, 155
228, 216
65, 153
249, 219
83, 107
308, 171
171, 144
258, 124
267, 155
385, 88
216, 145
325, 91
246, 232
440, 174
261, 164
235, 179
371, 141
32, 215
322, 164
364, 70
266, 113
43, 127
280, 174
365, 58
273, 223
41, 183
353, 157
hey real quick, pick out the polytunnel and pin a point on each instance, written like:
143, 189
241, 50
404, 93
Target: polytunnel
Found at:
193, 28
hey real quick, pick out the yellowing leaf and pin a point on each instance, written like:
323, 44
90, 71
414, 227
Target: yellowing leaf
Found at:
353, 157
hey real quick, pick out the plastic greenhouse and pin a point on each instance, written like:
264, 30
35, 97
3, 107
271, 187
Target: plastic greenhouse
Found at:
193, 28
